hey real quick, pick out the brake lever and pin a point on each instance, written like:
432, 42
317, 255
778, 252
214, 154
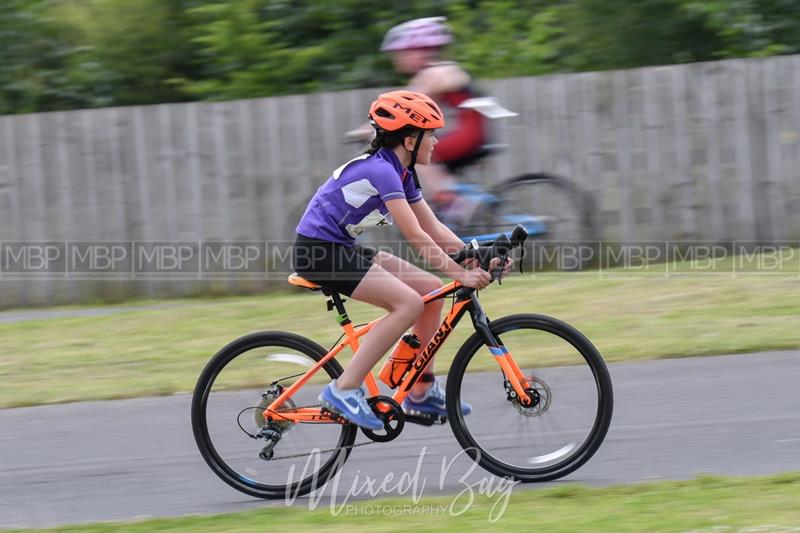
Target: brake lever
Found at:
518, 236
497, 272
500, 250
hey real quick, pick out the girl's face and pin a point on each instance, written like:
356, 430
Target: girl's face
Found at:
425, 149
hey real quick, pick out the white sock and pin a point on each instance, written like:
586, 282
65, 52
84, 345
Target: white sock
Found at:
336, 388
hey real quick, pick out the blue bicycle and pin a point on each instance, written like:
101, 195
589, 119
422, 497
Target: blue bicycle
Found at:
549, 207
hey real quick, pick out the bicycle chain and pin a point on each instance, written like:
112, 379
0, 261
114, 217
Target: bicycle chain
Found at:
322, 451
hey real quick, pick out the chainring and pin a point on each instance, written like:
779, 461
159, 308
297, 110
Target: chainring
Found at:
390, 412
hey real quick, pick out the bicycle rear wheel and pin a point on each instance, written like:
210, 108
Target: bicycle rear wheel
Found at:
572, 409
231, 394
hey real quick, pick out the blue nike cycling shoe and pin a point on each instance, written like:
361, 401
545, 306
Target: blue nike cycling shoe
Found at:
351, 404
432, 403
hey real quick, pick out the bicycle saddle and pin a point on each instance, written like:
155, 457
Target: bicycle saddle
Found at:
300, 281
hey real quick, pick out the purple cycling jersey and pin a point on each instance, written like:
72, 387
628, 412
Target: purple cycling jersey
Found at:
354, 198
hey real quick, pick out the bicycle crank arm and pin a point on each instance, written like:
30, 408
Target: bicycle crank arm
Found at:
425, 420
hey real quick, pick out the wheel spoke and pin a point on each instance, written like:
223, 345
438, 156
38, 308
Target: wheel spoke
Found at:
293, 358
237, 386
559, 430
554, 456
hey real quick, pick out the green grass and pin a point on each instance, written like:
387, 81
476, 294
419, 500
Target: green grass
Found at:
628, 315
707, 504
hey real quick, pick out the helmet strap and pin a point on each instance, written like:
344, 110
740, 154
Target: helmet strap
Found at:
414, 152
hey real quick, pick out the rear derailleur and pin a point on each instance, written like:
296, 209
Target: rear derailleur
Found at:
272, 433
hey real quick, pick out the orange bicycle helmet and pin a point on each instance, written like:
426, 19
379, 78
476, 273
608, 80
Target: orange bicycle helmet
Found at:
399, 109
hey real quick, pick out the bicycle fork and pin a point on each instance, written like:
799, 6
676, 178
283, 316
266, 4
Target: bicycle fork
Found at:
512, 372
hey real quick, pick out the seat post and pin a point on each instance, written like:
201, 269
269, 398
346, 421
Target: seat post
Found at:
337, 302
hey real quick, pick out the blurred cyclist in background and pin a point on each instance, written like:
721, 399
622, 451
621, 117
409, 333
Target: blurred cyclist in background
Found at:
416, 47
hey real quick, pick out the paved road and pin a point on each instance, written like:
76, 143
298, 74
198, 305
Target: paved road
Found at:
674, 419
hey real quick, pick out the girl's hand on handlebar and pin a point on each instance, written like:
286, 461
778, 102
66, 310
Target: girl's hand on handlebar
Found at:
477, 278
493, 264
470, 263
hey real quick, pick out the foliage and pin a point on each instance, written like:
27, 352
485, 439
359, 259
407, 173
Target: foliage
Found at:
128, 51
61, 54
33, 59
508, 37
257, 47
749, 28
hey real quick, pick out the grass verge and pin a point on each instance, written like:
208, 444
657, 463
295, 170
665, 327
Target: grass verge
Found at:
706, 504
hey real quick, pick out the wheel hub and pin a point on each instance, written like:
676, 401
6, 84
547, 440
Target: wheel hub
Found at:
539, 396
267, 397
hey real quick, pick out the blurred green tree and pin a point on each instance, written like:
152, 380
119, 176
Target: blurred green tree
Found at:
260, 47
33, 59
749, 28
128, 51
497, 37
60, 54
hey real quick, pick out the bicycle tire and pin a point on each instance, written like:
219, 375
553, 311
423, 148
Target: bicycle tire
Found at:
253, 342
585, 227
476, 444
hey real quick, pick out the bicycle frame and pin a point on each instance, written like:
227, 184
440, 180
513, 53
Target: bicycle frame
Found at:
466, 301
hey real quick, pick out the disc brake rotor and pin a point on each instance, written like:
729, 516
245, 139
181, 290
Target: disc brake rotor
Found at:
540, 396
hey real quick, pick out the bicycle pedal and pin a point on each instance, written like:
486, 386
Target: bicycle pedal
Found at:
424, 419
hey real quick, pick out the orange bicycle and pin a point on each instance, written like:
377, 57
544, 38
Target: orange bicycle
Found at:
541, 401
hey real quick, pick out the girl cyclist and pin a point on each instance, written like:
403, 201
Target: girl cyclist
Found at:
374, 189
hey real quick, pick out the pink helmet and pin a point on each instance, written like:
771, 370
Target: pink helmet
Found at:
429, 32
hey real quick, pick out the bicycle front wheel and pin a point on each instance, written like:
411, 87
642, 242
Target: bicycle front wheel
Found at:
227, 417
568, 418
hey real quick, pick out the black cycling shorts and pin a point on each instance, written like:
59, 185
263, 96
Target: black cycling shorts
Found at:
331, 264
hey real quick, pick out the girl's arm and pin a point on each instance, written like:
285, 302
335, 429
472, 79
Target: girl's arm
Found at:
434, 245
442, 235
